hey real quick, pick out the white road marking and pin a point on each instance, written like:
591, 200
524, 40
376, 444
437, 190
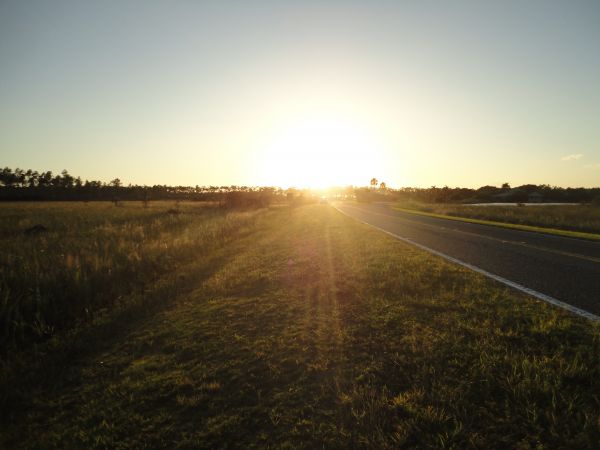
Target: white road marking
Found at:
512, 284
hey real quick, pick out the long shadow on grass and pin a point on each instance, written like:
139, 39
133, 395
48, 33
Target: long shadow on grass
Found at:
60, 364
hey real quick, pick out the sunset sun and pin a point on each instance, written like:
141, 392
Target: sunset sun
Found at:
320, 151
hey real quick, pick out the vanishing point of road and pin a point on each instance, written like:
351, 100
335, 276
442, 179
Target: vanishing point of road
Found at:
562, 268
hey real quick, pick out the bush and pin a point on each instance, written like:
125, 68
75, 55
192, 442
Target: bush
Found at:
248, 200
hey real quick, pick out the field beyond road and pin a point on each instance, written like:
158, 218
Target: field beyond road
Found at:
299, 327
581, 221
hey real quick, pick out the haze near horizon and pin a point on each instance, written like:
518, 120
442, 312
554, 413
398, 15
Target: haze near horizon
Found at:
415, 93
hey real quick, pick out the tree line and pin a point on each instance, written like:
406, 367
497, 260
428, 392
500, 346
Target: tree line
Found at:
23, 185
492, 194
526, 193
19, 184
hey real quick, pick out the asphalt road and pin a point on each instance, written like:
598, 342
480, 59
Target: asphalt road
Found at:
563, 268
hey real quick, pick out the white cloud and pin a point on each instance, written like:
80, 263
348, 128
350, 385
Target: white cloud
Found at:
592, 166
572, 157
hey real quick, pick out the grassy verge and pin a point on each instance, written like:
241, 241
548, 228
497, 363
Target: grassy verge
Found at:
315, 331
455, 215
65, 263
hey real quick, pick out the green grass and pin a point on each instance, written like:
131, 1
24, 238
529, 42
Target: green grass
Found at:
311, 330
577, 221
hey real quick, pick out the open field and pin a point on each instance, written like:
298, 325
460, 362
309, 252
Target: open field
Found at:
288, 327
94, 256
576, 218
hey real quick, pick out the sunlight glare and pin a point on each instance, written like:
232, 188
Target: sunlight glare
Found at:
318, 152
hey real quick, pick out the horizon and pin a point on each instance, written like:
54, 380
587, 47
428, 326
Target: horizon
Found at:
125, 183
308, 96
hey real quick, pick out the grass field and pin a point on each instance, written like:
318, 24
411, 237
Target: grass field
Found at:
577, 218
299, 327
95, 256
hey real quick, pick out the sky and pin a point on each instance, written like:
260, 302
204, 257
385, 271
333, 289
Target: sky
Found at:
305, 94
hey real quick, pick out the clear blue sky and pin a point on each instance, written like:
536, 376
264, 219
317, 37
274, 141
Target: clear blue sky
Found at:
303, 93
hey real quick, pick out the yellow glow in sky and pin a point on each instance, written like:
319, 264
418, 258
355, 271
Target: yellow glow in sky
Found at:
320, 151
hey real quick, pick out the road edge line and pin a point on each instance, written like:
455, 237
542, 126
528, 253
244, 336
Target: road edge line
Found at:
512, 284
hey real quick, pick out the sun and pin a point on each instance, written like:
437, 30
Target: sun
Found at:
320, 151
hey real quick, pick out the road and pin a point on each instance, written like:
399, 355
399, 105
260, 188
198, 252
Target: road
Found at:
562, 268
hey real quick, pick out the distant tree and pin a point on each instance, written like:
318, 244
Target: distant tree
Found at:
45, 178
382, 186
505, 186
19, 177
6, 176
66, 179
33, 179
115, 183
374, 182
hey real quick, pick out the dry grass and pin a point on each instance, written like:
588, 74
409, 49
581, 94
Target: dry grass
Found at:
583, 218
90, 257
